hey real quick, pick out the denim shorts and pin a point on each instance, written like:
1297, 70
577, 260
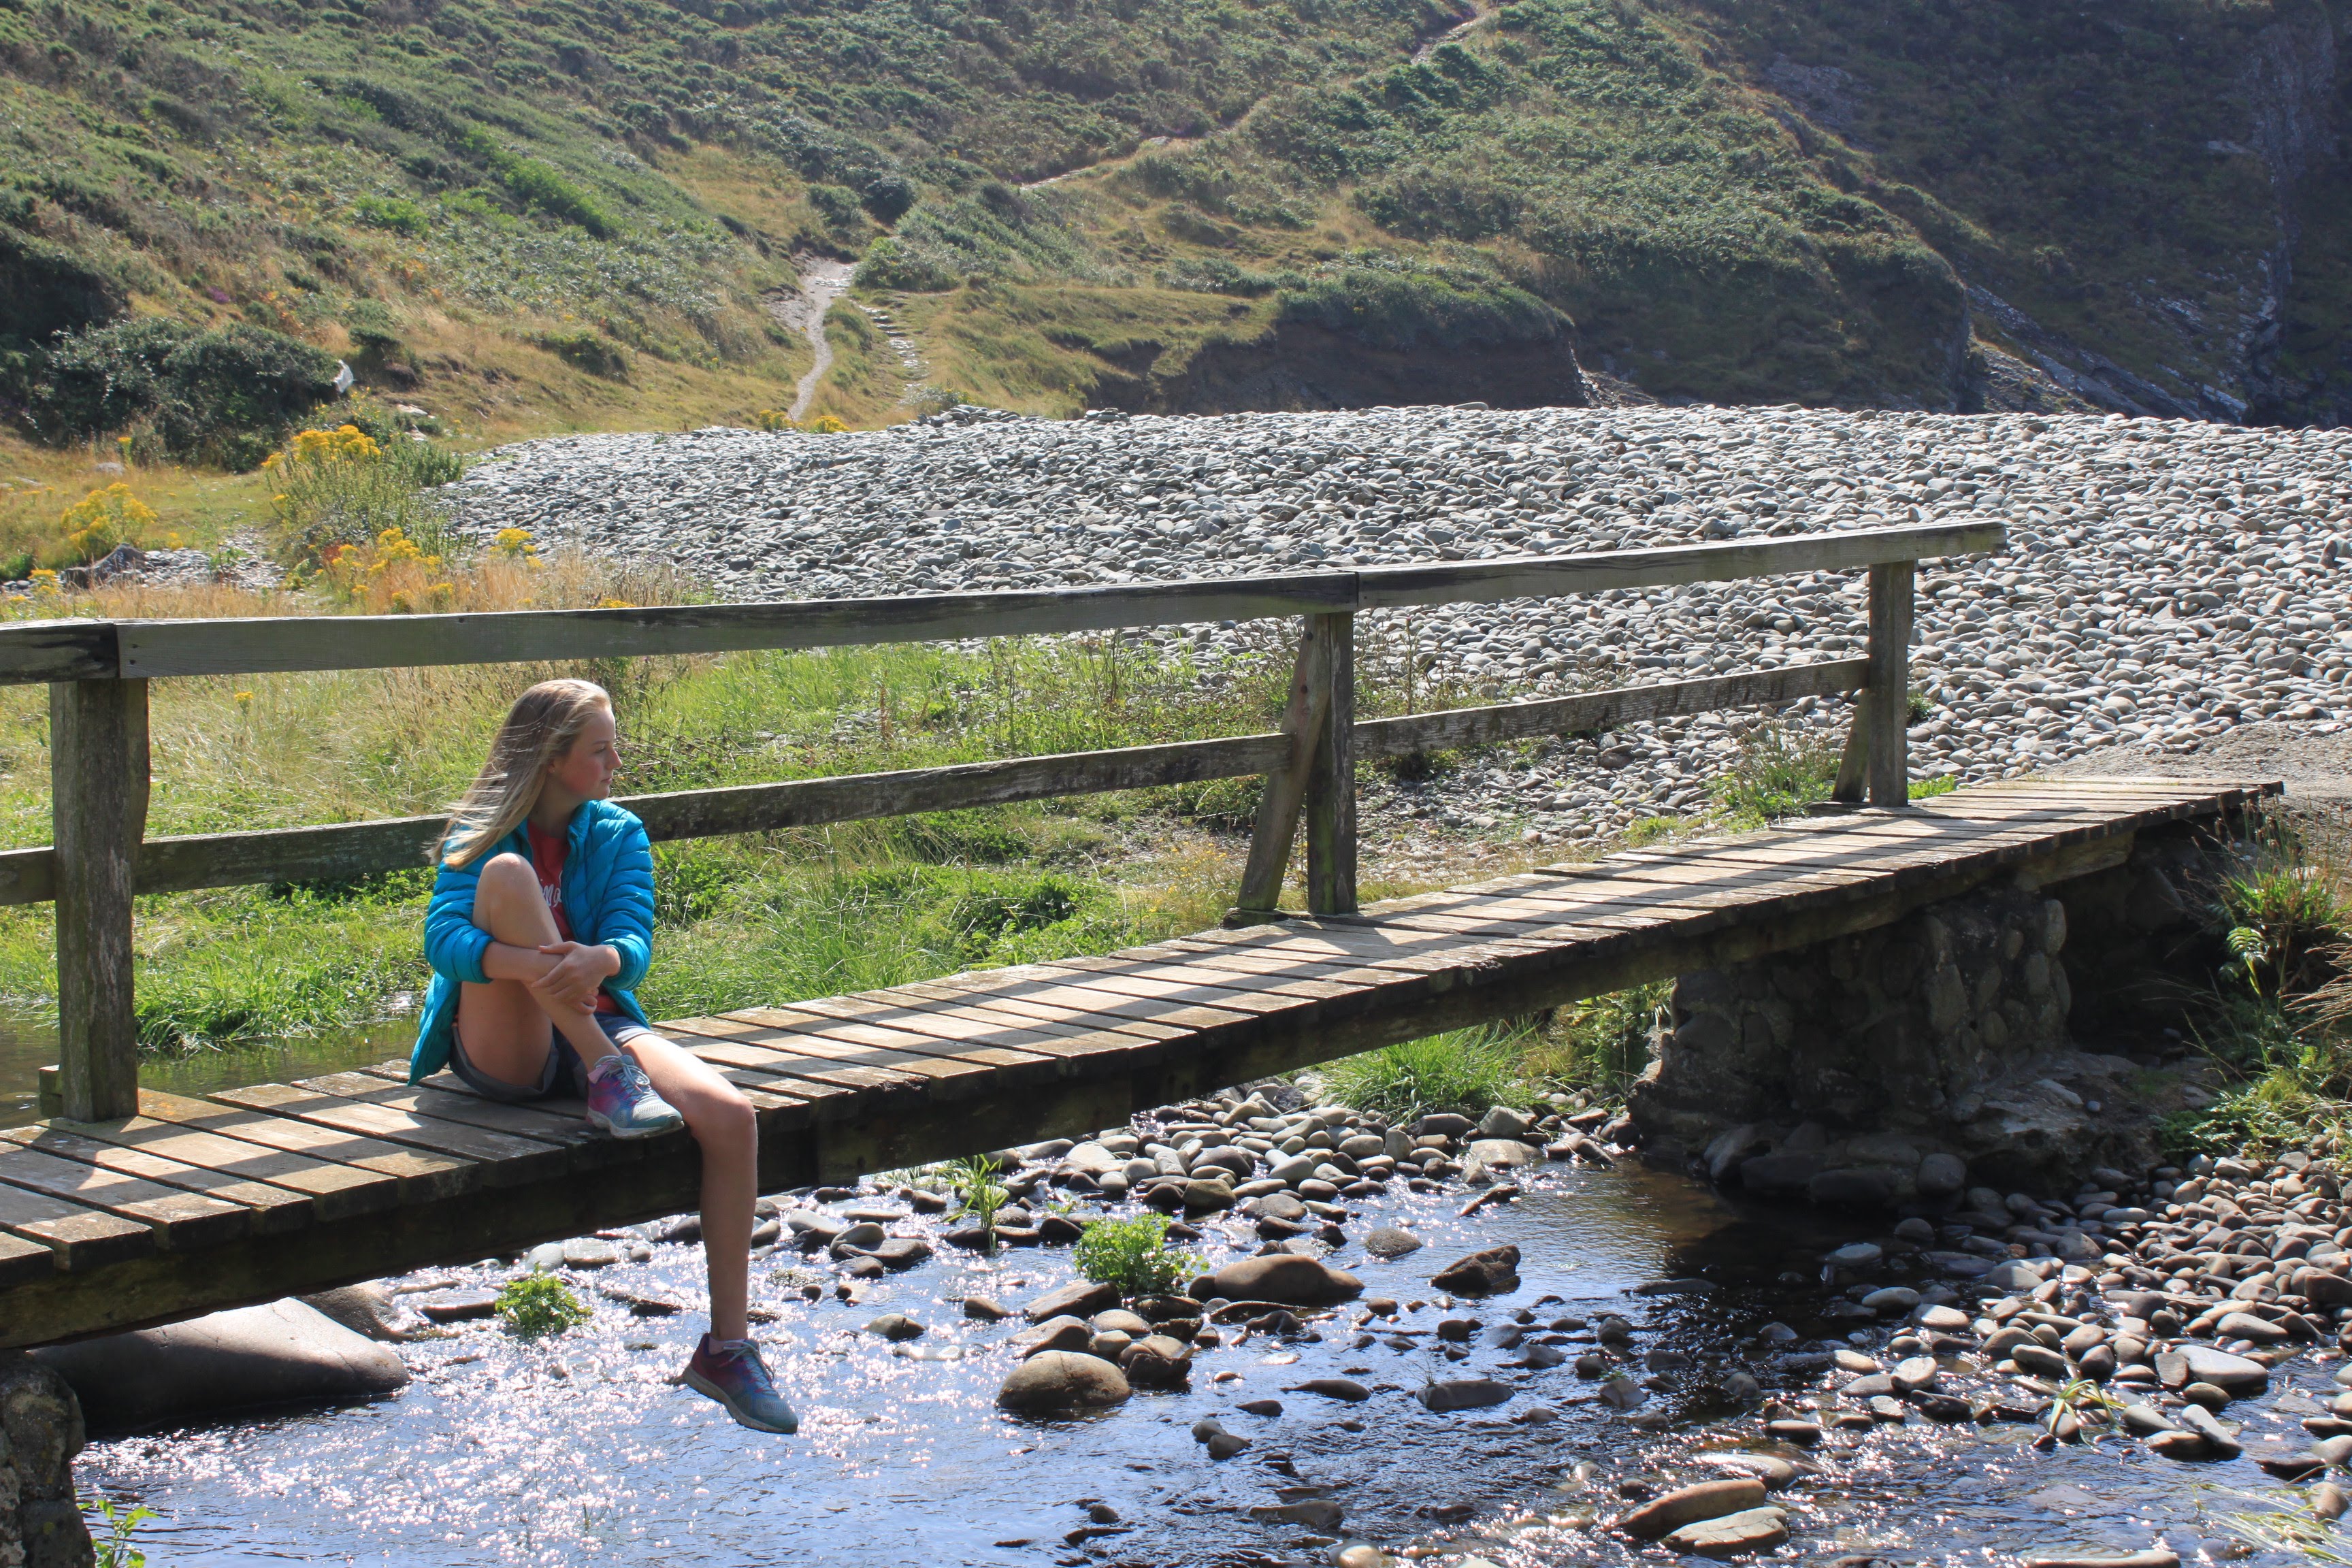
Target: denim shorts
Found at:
563, 1077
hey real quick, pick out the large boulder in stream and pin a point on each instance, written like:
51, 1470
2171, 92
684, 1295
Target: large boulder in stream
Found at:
1055, 1383
1284, 1276
282, 1353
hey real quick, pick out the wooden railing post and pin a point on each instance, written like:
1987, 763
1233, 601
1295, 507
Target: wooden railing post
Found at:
1304, 719
1877, 751
1331, 777
98, 784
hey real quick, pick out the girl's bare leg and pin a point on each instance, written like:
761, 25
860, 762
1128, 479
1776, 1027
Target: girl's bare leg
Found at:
722, 1122
503, 1024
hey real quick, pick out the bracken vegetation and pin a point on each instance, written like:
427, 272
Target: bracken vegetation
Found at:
579, 214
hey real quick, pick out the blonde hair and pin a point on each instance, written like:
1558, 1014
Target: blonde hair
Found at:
540, 727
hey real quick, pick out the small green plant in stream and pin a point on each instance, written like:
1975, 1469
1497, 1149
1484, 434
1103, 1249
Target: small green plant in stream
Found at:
1132, 1255
979, 1192
2077, 1404
539, 1305
119, 1549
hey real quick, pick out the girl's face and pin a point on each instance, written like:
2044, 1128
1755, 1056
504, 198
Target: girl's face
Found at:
586, 770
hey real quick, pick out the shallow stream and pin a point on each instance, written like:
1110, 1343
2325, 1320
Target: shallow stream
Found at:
579, 1449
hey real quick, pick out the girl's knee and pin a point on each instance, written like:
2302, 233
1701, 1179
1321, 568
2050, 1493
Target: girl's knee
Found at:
724, 1116
508, 869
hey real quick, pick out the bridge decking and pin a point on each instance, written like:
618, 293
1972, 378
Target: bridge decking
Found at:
256, 1193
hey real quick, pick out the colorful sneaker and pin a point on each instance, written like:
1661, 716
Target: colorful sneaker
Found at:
736, 1377
621, 1100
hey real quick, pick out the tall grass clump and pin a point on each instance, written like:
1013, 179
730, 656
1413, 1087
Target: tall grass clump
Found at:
2277, 1019
1780, 768
1601, 1045
1464, 1071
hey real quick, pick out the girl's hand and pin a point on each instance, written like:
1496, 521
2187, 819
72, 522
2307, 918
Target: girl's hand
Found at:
579, 971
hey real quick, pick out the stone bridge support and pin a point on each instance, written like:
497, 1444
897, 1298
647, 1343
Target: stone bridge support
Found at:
2015, 1036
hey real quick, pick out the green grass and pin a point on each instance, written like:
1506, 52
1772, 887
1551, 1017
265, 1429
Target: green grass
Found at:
1778, 770
2275, 1019
1597, 1046
1462, 1070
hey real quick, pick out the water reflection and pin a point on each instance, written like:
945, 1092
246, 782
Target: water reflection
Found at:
27, 1046
580, 1450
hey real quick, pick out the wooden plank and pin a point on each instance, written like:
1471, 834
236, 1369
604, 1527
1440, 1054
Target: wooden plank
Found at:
78, 1237
1304, 720
23, 1261
273, 1209
1039, 985
181, 1220
335, 1191
40, 652
1140, 1033
1331, 778
950, 1016
501, 1159
377, 642
422, 1174
591, 1148
98, 796
824, 1065
1387, 738
1532, 577
941, 1068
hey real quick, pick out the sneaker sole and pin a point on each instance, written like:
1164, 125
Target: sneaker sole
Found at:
599, 1118
713, 1392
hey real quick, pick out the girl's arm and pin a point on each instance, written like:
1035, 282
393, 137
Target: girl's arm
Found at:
453, 944
626, 916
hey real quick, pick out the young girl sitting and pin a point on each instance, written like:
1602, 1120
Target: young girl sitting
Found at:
539, 929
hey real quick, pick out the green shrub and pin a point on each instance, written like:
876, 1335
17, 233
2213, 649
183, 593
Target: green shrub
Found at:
538, 186
1132, 1256
587, 350
1391, 308
539, 1305
891, 264
225, 395
395, 213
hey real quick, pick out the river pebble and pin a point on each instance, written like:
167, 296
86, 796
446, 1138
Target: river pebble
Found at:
2164, 580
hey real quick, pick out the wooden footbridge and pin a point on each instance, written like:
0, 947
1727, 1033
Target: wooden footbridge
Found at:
131, 1207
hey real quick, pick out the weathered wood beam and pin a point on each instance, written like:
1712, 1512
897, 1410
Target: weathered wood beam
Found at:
370, 642
356, 848
1331, 778
98, 793
1304, 719
77, 649
1533, 577
1377, 739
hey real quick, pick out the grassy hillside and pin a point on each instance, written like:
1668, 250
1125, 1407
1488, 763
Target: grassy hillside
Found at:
581, 213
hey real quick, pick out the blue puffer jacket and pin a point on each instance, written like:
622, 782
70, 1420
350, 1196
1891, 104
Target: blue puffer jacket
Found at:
608, 897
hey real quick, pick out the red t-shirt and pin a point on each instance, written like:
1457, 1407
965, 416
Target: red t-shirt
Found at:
548, 851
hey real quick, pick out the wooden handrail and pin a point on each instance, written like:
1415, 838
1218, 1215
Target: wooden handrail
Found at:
98, 673
141, 649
